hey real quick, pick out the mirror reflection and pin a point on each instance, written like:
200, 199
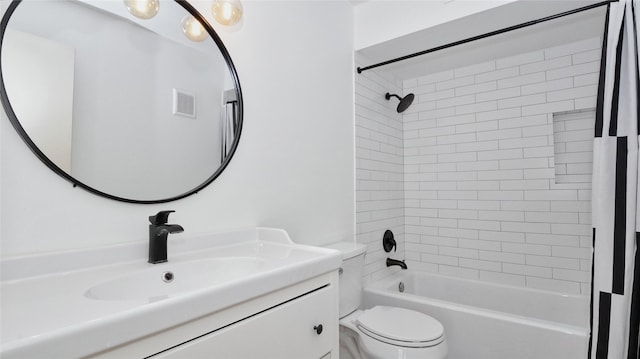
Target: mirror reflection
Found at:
125, 106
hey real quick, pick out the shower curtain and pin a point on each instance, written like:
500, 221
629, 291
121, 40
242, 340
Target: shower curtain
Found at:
229, 123
229, 127
615, 292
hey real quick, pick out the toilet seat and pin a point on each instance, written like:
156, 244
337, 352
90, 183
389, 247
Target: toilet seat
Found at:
400, 327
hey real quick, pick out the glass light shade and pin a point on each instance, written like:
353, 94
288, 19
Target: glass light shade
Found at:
144, 9
227, 12
193, 29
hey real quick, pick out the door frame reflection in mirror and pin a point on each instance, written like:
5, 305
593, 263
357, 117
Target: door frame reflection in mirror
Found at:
231, 148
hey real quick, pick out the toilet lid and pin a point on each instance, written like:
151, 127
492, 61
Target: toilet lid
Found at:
399, 324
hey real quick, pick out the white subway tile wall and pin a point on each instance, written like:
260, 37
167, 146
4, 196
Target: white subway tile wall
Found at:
380, 201
497, 165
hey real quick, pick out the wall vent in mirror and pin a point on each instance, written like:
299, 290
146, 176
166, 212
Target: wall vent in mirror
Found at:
92, 103
184, 103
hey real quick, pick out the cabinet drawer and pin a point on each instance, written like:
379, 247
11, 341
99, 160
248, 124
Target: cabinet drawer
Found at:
289, 330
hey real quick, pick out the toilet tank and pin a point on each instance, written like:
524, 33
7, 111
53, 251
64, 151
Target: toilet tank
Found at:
350, 282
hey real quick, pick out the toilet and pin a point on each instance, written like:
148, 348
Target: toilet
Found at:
381, 332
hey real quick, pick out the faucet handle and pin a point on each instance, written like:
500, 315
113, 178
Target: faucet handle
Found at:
160, 218
388, 242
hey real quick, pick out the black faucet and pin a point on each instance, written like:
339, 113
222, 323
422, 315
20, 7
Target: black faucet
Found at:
158, 232
389, 243
395, 262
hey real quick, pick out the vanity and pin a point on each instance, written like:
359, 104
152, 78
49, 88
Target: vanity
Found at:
239, 294
127, 83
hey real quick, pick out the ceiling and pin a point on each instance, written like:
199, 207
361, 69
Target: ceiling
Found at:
357, 2
583, 25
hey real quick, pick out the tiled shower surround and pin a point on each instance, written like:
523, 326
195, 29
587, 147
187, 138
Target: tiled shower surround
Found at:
488, 174
379, 169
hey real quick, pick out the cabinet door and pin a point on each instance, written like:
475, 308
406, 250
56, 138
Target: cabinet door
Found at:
289, 330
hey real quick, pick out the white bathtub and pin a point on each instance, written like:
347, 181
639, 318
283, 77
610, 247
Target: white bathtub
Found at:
486, 320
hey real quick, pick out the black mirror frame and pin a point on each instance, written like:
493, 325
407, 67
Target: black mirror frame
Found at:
32, 146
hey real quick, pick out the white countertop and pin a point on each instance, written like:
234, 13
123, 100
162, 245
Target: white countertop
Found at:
47, 308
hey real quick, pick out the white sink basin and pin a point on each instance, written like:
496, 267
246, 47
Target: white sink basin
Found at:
162, 281
104, 297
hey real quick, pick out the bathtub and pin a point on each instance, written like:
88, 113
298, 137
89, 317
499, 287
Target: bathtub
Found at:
486, 320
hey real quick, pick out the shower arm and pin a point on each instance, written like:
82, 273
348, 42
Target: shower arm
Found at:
389, 95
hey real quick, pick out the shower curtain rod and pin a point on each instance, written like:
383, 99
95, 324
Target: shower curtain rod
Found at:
488, 34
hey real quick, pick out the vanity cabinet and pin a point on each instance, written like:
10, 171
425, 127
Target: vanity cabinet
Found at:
299, 322
300, 328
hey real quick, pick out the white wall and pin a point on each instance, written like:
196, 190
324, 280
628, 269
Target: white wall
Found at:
483, 198
480, 178
294, 168
43, 98
380, 21
399, 28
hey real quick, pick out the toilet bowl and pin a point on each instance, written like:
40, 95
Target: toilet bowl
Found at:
389, 332
381, 332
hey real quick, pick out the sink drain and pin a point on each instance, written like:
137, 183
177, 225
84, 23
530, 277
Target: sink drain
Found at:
167, 277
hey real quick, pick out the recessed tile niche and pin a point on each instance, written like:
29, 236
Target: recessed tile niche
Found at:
573, 145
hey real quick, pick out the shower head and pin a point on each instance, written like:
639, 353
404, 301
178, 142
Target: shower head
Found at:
405, 102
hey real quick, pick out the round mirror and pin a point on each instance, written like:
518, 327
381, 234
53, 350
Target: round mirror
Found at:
141, 109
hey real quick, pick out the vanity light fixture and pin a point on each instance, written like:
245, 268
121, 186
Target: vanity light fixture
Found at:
227, 12
144, 9
193, 29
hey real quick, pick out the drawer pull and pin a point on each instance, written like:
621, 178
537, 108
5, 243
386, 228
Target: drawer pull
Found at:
318, 329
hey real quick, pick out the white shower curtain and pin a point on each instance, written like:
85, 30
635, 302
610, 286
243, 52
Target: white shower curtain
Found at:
615, 294
229, 124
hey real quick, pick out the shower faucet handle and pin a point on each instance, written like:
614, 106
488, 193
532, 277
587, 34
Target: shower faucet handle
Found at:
388, 242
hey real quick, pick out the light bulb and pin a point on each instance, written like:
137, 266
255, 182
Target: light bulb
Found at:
144, 9
227, 12
193, 29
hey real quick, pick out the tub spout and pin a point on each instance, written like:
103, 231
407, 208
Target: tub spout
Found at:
395, 262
